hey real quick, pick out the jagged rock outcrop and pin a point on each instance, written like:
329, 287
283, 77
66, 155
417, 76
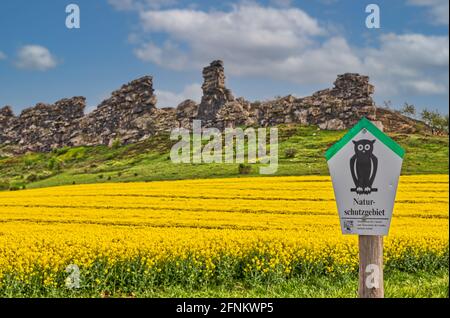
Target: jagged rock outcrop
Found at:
336, 108
6, 118
186, 112
131, 115
215, 94
45, 126
118, 117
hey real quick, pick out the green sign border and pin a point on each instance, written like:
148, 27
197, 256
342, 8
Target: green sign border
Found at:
367, 124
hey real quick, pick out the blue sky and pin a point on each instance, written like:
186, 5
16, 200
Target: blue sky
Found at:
270, 48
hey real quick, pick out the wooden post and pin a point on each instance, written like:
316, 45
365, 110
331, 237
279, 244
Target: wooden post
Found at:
371, 281
371, 266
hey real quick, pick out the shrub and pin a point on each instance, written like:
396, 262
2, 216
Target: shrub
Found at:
32, 178
116, 143
4, 185
244, 169
290, 152
73, 154
54, 164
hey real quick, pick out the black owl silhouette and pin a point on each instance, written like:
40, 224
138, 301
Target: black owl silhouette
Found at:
363, 166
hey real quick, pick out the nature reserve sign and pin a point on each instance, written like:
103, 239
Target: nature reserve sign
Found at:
365, 168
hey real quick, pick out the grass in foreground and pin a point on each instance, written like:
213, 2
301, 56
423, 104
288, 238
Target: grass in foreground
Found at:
420, 284
397, 285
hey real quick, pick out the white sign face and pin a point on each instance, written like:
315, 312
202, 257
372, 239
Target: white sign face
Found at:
365, 168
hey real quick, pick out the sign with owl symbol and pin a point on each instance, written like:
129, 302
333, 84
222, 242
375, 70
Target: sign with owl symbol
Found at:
365, 168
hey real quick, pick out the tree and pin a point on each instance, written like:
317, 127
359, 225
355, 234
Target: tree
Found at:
408, 110
387, 104
434, 119
446, 124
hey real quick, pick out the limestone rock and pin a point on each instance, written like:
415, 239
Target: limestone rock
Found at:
332, 124
215, 94
115, 117
186, 112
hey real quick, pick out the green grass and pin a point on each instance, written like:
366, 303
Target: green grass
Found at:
397, 284
301, 152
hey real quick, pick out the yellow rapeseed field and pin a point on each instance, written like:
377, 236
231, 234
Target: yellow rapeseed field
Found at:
250, 226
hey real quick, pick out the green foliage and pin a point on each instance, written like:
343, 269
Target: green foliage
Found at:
4, 185
72, 154
54, 164
116, 144
409, 110
31, 159
244, 168
434, 119
290, 152
32, 178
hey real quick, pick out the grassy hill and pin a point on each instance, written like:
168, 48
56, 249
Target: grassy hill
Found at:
301, 152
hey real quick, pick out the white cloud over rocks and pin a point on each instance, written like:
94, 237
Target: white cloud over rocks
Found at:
35, 57
438, 9
286, 43
171, 99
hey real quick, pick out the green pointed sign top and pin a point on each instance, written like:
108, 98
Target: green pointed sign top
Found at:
364, 123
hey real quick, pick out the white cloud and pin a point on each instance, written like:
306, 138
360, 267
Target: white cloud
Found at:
2, 56
169, 55
35, 57
288, 44
438, 9
426, 86
171, 99
409, 63
247, 35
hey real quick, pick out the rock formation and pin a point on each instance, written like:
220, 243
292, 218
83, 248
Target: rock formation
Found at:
186, 112
215, 94
337, 108
6, 121
131, 115
43, 127
118, 117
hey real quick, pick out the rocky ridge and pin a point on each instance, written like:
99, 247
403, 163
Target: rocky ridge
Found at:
131, 115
